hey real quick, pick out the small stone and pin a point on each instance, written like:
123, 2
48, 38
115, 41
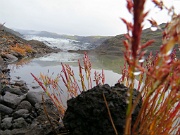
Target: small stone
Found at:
16, 54
35, 97
6, 110
12, 100
20, 83
9, 57
6, 123
25, 105
25, 116
20, 113
5, 70
28, 120
16, 91
20, 131
5, 132
19, 123
24, 89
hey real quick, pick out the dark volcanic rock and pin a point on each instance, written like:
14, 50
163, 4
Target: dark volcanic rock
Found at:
6, 132
6, 110
35, 97
9, 57
6, 123
16, 91
20, 113
12, 100
24, 89
25, 105
20, 123
20, 83
87, 113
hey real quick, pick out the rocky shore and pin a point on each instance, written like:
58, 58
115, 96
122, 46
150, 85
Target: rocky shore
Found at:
21, 110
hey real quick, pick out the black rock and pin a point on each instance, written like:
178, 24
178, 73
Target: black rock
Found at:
20, 113
2, 92
24, 89
20, 123
6, 123
24, 105
16, 91
6, 132
9, 57
12, 100
87, 113
35, 97
29, 120
6, 110
20, 83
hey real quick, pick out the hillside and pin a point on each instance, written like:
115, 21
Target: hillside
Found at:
115, 45
12, 46
3, 28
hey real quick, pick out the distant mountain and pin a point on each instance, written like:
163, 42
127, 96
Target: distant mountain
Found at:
115, 45
27, 32
94, 40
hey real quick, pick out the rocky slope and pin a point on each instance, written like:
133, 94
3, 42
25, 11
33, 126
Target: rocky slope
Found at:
21, 111
114, 45
3, 28
8, 39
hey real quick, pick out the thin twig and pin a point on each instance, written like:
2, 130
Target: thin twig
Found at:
109, 113
46, 113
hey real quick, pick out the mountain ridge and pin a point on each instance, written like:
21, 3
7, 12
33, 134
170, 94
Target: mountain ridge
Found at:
114, 45
94, 40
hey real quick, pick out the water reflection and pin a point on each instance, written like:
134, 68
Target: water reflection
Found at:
52, 63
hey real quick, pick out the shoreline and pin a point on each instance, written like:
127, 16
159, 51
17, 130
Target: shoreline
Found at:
21, 110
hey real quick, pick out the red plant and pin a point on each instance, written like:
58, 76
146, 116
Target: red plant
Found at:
54, 91
157, 75
160, 88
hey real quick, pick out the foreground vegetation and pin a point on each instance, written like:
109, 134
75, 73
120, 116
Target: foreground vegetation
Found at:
158, 76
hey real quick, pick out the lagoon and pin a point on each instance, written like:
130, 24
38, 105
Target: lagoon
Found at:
51, 64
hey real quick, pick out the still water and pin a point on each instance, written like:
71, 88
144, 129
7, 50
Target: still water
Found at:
51, 64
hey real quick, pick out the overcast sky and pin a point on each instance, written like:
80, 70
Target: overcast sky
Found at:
74, 17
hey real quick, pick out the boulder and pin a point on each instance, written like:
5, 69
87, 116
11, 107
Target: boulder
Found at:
20, 113
12, 100
6, 110
6, 123
24, 105
20, 83
17, 54
24, 89
35, 97
20, 123
16, 91
9, 57
87, 113
20, 131
6, 132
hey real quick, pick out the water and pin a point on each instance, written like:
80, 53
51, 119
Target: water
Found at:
52, 64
